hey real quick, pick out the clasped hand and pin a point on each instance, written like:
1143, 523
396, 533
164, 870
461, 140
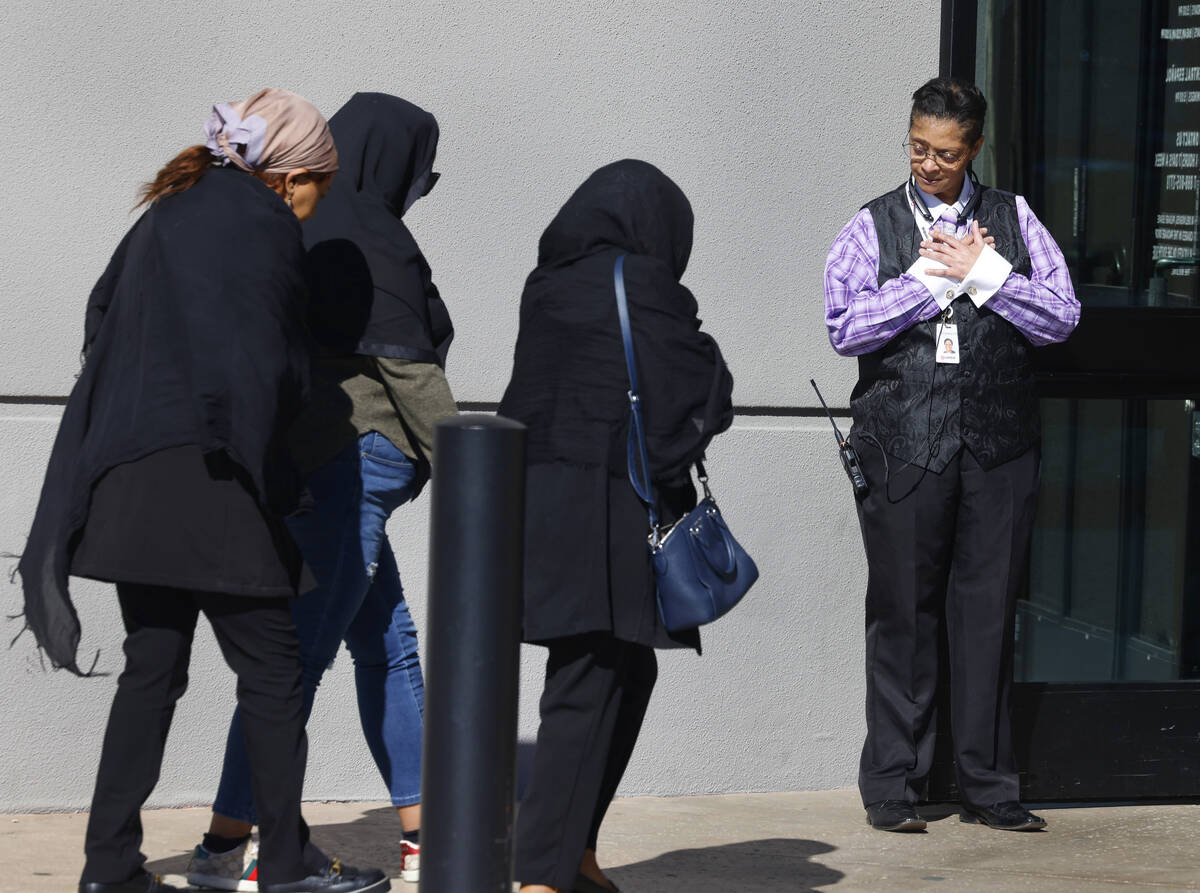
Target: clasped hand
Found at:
958, 255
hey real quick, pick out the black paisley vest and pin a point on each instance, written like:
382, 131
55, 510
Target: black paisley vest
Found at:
922, 411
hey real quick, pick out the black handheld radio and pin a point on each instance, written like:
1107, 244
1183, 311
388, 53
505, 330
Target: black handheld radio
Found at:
848, 454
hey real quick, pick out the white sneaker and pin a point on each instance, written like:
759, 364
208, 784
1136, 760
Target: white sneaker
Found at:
410, 862
235, 870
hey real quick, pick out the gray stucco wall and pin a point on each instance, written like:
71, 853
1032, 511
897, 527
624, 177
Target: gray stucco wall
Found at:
777, 119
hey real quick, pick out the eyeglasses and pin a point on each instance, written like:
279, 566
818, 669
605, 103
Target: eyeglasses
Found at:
918, 152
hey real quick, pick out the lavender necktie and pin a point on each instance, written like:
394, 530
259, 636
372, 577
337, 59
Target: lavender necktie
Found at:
948, 222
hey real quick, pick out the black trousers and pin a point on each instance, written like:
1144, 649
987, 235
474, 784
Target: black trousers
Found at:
596, 694
954, 550
258, 640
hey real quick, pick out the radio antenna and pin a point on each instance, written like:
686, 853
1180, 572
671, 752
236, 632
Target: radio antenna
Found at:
837, 433
848, 454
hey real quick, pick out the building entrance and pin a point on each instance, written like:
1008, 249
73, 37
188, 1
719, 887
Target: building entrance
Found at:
1095, 117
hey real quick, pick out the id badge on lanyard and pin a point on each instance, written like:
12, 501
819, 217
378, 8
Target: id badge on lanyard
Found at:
948, 350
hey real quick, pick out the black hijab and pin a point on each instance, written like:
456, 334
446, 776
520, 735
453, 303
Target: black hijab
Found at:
373, 292
194, 334
569, 379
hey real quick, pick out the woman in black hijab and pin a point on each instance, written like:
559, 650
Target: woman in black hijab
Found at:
170, 477
364, 443
589, 585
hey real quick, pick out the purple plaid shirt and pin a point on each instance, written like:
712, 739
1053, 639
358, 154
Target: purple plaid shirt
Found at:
863, 316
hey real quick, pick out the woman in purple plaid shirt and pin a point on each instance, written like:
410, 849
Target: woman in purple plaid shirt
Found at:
942, 288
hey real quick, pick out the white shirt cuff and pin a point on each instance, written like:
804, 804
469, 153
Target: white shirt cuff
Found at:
941, 289
987, 276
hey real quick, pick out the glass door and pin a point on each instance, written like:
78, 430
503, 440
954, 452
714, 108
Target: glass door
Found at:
1095, 118
1114, 577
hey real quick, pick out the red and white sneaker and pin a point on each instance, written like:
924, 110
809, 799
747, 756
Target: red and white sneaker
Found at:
410, 862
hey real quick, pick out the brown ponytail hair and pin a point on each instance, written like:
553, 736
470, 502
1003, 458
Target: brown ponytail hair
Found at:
185, 170
180, 173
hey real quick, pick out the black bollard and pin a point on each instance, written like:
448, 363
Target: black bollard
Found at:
471, 655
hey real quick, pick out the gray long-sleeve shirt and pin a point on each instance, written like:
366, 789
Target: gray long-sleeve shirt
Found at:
353, 395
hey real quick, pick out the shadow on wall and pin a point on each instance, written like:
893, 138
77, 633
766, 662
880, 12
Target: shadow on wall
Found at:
752, 865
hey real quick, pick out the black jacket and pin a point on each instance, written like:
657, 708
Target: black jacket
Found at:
194, 334
373, 292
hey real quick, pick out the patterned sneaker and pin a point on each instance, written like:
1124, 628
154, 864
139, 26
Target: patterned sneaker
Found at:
410, 862
234, 870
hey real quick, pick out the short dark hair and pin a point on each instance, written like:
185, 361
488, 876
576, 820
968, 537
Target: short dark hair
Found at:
953, 99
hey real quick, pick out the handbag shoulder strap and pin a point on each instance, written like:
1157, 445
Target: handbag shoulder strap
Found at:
637, 458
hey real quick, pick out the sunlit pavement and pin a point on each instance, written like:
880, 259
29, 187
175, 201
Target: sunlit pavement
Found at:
736, 842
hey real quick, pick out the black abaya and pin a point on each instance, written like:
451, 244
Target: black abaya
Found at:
587, 565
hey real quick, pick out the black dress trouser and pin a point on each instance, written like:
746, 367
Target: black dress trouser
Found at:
258, 639
596, 694
954, 550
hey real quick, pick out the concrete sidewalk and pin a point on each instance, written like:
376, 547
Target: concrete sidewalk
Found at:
740, 842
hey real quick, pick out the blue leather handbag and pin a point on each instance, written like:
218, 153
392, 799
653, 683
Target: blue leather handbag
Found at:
700, 570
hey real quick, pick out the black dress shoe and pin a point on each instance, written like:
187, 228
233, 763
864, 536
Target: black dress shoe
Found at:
1006, 816
894, 815
335, 878
139, 883
584, 884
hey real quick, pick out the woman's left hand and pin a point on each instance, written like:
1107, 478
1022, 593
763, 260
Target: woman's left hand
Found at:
958, 255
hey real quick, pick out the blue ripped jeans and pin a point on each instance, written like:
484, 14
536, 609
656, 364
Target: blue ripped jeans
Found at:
359, 601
